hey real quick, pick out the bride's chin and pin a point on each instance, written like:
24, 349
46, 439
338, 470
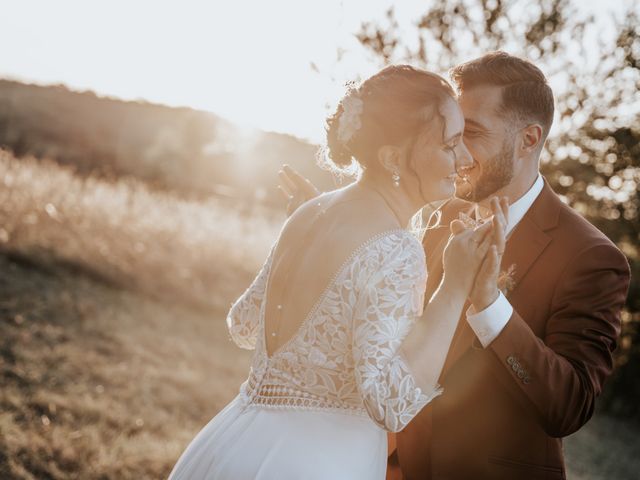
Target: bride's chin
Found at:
443, 194
437, 191
448, 188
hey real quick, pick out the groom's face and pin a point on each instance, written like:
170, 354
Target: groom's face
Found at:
489, 138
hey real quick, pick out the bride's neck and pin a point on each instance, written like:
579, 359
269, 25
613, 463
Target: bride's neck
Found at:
395, 197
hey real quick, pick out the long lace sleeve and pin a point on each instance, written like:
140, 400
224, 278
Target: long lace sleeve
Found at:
390, 303
243, 317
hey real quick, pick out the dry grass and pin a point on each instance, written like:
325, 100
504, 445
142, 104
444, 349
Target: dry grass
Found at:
102, 383
128, 235
605, 449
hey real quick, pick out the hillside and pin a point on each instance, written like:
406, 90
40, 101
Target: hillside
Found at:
189, 152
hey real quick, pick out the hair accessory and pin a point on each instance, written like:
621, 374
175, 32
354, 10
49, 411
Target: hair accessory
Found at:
349, 120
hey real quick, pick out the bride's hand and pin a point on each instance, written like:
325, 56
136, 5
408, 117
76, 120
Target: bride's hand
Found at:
485, 287
464, 253
295, 188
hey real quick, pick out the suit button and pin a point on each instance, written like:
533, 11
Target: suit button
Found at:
526, 380
511, 360
521, 373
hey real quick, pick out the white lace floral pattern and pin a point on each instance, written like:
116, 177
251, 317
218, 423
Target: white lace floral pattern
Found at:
345, 356
244, 316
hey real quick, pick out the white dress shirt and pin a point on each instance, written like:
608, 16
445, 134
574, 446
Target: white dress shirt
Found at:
488, 323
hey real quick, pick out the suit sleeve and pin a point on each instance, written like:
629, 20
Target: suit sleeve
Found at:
561, 374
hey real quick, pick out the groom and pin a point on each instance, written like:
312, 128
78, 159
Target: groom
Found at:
526, 364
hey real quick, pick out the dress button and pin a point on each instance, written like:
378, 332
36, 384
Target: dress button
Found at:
279, 307
526, 380
511, 360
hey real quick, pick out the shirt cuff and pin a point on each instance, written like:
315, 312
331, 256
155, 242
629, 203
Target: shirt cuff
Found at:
488, 323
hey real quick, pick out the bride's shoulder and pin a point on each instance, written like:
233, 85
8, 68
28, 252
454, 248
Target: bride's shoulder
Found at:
395, 245
395, 254
410, 242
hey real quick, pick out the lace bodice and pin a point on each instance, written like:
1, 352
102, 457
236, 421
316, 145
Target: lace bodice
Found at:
346, 354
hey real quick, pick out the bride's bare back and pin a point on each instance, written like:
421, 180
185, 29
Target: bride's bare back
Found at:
313, 246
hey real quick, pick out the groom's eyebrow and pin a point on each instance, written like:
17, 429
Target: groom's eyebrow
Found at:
472, 123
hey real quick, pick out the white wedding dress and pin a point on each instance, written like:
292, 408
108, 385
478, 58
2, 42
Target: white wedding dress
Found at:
320, 405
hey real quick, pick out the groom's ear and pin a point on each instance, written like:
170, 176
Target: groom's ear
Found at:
389, 157
531, 138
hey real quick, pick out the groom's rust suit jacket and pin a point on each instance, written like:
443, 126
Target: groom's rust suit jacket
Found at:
505, 408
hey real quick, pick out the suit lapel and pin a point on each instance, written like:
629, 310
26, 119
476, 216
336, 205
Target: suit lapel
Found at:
524, 247
529, 239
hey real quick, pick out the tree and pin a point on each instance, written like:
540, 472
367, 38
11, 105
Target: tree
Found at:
592, 157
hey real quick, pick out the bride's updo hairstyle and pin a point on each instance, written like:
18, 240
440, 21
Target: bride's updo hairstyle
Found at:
389, 108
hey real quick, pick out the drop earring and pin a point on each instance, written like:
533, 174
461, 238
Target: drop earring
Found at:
396, 179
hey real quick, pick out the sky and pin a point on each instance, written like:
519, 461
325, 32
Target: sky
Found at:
264, 64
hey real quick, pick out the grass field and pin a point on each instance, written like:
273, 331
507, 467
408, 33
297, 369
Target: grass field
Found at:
113, 347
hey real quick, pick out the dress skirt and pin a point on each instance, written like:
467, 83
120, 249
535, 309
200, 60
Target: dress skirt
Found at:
257, 442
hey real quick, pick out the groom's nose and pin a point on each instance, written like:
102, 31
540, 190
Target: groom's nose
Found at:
464, 159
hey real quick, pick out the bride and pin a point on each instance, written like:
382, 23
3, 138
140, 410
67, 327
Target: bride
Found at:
345, 348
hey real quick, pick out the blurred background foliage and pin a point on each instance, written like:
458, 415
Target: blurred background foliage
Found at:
592, 157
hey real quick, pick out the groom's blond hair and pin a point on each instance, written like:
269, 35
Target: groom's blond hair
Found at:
525, 91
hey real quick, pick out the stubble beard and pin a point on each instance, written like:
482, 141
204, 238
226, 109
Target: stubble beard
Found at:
496, 174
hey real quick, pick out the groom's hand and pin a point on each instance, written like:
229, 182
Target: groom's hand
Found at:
485, 288
295, 188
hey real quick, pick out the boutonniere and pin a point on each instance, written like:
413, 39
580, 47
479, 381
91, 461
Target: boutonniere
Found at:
506, 283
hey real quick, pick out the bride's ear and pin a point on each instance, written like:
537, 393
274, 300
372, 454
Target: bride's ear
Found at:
389, 158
